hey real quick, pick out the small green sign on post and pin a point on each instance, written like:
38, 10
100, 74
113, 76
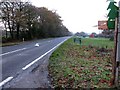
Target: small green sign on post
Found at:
77, 40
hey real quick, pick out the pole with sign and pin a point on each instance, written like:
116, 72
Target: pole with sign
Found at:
117, 79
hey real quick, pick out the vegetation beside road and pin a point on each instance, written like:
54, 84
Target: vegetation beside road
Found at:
9, 44
88, 65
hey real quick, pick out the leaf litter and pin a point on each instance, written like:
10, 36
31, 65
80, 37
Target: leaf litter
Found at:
82, 66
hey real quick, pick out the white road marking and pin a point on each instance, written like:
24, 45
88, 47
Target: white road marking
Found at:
30, 64
27, 66
13, 51
5, 81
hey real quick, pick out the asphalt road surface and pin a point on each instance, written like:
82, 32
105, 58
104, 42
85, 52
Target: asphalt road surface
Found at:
22, 56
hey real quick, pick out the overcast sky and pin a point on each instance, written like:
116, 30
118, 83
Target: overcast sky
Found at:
77, 15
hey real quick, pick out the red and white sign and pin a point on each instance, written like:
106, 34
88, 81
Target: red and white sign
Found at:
102, 25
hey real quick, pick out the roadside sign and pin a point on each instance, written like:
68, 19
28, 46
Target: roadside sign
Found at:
77, 40
102, 25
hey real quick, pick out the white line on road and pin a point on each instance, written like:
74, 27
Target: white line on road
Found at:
13, 51
5, 81
27, 66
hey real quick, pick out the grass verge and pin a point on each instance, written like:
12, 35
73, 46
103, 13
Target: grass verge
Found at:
9, 44
82, 66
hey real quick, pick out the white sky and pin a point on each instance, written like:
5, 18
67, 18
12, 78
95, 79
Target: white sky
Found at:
77, 15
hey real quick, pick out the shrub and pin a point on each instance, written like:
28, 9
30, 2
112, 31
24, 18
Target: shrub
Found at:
112, 38
4, 39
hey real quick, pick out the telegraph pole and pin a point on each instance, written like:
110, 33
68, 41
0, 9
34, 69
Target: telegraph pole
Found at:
117, 77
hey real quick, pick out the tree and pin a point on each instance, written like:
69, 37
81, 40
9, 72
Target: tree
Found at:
6, 14
27, 21
51, 23
13, 17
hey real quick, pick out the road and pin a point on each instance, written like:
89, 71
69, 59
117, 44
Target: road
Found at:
21, 57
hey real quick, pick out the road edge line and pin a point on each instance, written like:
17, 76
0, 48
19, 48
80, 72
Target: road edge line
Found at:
30, 64
5, 81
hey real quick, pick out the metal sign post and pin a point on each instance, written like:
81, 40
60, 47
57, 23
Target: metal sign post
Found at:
117, 77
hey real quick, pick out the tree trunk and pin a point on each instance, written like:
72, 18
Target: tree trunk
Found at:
11, 31
18, 31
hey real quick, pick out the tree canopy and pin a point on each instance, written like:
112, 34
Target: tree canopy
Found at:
23, 20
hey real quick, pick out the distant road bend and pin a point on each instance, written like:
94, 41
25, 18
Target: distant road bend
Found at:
21, 57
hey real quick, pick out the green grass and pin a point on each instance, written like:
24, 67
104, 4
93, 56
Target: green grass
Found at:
9, 44
99, 42
74, 66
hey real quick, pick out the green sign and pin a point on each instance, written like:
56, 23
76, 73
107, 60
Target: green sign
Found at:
77, 40
112, 15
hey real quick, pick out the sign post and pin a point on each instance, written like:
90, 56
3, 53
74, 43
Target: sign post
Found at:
117, 81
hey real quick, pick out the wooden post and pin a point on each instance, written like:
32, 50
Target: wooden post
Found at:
23, 39
118, 51
114, 57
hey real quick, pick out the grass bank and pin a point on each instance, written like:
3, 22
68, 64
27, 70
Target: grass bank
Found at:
88, 65
9, 44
